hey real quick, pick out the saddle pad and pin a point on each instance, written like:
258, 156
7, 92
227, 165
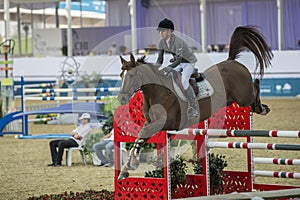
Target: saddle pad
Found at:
205, 89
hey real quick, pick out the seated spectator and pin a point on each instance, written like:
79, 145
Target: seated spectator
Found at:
113, 50
78, 139
106, 143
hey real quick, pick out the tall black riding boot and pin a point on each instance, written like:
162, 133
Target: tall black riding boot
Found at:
192, 110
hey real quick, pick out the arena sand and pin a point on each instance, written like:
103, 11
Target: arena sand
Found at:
24, 170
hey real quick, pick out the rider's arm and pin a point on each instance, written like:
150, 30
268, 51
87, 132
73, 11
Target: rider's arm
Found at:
160, 58
177, 60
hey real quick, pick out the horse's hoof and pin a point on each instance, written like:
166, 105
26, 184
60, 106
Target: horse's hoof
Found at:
123, 175
266, 109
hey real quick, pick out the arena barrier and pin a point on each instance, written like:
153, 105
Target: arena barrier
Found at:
59, 109
128, 120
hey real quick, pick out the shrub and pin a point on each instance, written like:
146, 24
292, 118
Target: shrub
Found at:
178, 169
217, 163
92, 139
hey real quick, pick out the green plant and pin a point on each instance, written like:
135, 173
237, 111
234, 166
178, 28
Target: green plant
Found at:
145, 148
111, 105
217, 163
41, 116
178, 169
92, 139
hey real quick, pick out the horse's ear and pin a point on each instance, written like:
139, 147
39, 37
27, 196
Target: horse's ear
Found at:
122, 59
132, 59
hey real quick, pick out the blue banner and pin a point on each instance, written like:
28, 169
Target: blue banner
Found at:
280, 87
86, 5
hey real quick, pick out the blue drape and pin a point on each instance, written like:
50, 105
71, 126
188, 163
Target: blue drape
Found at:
222, 18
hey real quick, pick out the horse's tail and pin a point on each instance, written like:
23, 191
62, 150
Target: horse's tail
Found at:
249, 37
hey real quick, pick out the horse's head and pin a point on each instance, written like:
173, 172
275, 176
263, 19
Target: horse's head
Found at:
131, 79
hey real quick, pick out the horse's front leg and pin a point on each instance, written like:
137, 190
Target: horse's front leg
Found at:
157, 123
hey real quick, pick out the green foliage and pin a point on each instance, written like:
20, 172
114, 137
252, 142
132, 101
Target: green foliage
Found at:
23, 46
146, 147
40, 116
217, 163
88, 195
178, 169
112, 103
92, 139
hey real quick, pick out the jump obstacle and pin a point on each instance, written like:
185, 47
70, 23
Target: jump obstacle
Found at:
77, 107
128, 120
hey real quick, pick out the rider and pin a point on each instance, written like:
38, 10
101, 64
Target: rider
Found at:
183, 60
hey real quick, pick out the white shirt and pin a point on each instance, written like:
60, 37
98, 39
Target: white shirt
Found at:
83, 131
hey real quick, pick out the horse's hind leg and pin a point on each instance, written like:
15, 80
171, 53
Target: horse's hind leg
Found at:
257, 107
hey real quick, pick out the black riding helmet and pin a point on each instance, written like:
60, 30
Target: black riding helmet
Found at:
165, 24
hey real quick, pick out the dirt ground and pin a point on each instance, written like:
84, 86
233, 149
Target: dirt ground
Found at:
24, 170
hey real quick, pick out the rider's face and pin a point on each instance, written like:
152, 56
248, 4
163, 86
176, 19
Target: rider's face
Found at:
164, 34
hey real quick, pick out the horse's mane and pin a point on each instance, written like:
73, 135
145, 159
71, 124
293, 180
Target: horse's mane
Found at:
141, 60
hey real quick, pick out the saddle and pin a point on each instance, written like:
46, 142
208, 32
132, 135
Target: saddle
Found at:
195, 78
200, 85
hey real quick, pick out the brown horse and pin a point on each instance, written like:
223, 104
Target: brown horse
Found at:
164, 110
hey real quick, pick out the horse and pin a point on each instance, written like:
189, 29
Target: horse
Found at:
164, 110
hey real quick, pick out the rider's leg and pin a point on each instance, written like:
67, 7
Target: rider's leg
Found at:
192, 103
187, 70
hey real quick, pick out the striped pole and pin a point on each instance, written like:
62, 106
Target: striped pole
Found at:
67, 98
37, 85
239, 133
50, 90
278, 161
277, 174
248, 145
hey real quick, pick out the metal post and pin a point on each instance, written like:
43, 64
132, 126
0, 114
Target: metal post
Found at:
280, 22
19, 31
203, 24
23, 105
69, 31
56, 15
132, 5
6, 19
